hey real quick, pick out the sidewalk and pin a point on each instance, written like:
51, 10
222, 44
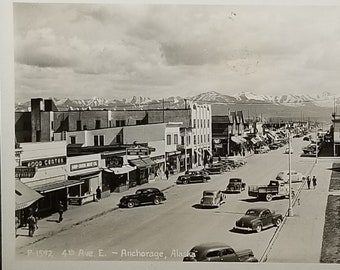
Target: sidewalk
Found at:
76, 215
300, 239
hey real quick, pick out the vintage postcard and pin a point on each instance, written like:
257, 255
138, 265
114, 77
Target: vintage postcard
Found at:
166, 134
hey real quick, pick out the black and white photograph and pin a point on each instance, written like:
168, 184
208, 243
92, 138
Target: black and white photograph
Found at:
167, 132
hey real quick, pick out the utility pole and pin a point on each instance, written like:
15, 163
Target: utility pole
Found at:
290, 208
163, 108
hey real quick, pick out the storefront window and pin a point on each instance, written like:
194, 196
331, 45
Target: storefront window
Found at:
176, 139
168, 139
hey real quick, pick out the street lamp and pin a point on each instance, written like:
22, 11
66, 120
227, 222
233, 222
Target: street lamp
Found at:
290, 208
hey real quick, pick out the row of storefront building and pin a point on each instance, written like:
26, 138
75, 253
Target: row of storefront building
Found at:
66, 155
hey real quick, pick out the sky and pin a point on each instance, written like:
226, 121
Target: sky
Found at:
118, 51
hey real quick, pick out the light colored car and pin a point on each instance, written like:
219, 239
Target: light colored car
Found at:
212, 198
295, 176
287, 150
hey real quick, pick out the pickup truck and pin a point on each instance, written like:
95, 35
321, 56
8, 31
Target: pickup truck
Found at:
276, 188
218, 252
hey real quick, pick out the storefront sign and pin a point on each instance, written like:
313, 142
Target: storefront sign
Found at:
45, 162
83, 165
25, 172
138, 151
113, 161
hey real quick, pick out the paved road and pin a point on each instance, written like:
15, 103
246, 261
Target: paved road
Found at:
167, 231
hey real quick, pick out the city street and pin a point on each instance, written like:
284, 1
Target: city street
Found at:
166, 232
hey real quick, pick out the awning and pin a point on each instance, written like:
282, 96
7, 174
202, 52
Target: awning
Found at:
270, 136
120, 170
57, 185
24, 196
143, 162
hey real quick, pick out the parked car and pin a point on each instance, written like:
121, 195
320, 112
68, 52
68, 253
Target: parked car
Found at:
310, 149
235, 185
216, 168
262, 150
274, 146
256, 219
294, 176
218, 252
287, 150
193, 177
143, 196
306, 138
211, 198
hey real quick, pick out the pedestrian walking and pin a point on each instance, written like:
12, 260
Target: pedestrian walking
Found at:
17, 224
314, 181
36, 216
31, 225
167, 174
60, 209
308, 182
98, 193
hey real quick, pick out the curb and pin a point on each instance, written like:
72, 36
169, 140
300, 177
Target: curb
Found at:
66, 227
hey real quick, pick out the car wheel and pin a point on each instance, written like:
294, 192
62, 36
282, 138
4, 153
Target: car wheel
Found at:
204, 180
278, 222
269, 197
130, 204
156, 201
258, 228
185, 182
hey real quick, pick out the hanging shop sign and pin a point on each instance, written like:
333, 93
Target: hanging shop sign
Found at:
138, 151
25, 172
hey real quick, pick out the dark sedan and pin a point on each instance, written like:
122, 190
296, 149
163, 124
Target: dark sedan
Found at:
143, 196
193, 177
257, 219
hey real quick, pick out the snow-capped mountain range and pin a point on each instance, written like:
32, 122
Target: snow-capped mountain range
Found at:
324, 99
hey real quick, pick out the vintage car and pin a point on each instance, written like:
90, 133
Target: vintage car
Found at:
193, 177
142, 196
211, 198
274, 146
235, 185
287, 150
257, 219
294, 175
218, 252
215, 168
262, 150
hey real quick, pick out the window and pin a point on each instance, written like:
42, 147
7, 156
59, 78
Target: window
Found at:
194, 123
201, 123
101, 140
175, 138
198, 139
78, 125
213, 253
208, 138
97, 124
52, 125
201, 138
194, 139
182, 140
188, 143
198, 123
168, 139
208, 123
120, 123
73, 139
96, 143
118, 139
204, 139
139, 122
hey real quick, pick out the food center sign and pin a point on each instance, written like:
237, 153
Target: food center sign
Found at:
45, 162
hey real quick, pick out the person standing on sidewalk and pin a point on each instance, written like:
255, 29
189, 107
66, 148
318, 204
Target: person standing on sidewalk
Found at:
31, 225
60, 209
314, 181
98, 193
308, 182
36, 216
167, 174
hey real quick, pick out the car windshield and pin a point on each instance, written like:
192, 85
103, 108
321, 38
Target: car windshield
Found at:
234, 180
253, 212
208, 194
